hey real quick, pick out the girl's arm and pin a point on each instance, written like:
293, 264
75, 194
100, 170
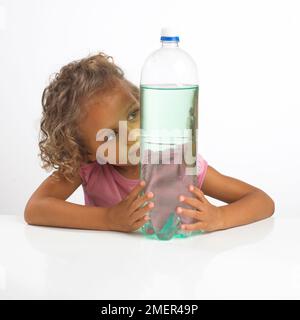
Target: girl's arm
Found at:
48, 207
246, 203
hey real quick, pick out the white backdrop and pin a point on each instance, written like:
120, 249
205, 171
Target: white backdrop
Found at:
247, 53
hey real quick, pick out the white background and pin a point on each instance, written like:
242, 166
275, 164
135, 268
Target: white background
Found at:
247, 53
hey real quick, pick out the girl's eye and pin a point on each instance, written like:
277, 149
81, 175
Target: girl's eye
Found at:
132, 115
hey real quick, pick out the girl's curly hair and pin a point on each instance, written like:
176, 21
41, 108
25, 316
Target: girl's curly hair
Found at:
61, 146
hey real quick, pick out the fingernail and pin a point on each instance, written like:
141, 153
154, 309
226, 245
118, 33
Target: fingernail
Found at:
151, 205
183, 227
191, 187
179, 209
142, 183
150, 194
181, 198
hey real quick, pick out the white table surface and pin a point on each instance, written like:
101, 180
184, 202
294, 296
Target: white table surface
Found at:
257, 261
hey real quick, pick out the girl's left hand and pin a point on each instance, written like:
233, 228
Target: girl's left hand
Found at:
210, 217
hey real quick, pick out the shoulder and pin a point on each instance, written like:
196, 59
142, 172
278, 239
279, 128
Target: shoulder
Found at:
86, 170
202, 166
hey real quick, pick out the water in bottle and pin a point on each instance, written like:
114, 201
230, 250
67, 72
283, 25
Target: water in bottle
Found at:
169, 123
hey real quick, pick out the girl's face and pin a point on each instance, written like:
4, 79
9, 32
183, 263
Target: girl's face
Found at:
102, 123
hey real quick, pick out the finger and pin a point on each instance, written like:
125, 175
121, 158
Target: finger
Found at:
139, 223
202, 226
138, 214
141, 200
196, 203
190, 213
135, 192
198, 193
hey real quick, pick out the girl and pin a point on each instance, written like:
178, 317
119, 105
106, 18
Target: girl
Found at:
92, 94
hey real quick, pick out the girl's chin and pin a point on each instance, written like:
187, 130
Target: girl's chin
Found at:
125, 165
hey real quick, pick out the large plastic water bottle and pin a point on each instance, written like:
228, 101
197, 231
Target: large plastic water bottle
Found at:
169, 123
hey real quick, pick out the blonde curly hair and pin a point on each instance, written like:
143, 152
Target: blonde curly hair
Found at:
61, 146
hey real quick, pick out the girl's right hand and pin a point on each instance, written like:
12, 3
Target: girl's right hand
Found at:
128, 215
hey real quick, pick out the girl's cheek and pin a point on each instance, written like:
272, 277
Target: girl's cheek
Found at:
108, 152
133, 134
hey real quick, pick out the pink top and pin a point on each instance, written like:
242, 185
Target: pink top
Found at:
104, 186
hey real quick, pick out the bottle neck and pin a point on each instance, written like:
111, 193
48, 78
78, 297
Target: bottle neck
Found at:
169, 44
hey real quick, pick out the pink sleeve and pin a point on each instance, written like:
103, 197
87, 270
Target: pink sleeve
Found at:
85, 172
202, 168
